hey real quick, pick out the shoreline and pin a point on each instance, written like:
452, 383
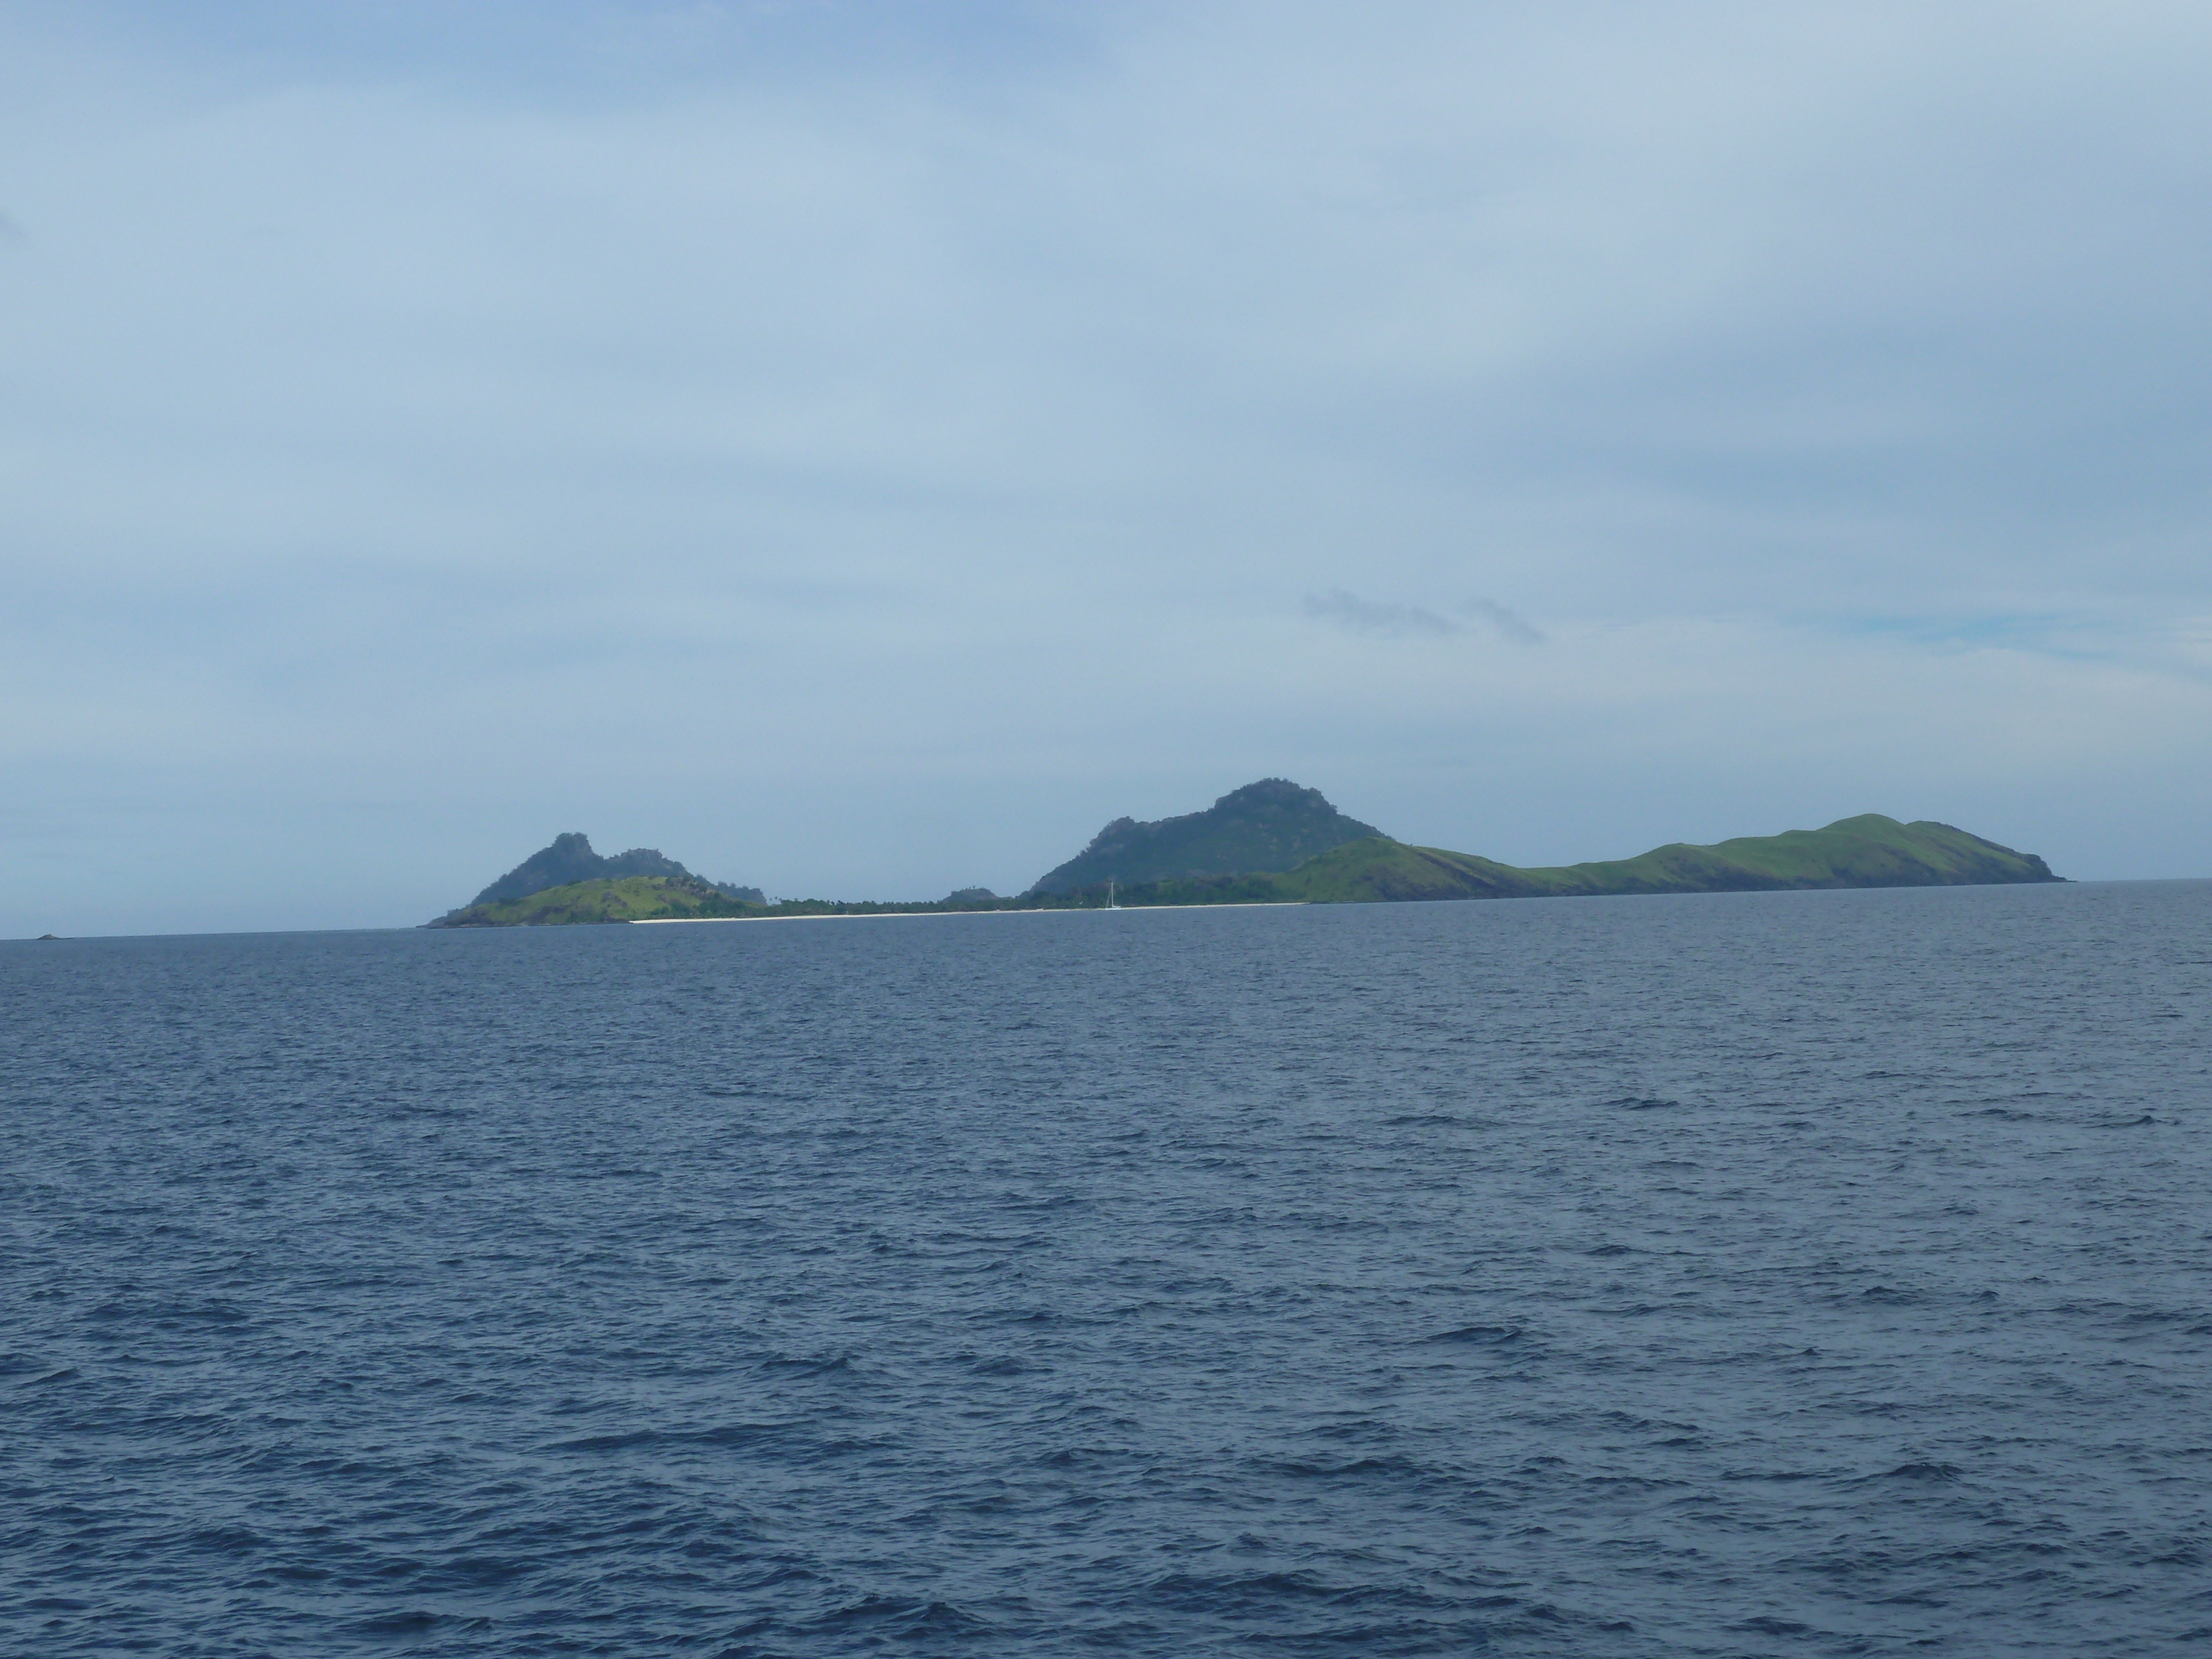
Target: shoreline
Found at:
908, 915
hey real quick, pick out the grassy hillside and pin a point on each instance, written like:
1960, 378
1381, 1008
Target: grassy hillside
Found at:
1367, 872
613, 898
1869, 851
1373, 871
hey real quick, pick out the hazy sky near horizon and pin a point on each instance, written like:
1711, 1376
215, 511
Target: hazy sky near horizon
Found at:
860, 448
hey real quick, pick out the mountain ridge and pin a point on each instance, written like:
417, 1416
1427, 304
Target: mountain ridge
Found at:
1869, 850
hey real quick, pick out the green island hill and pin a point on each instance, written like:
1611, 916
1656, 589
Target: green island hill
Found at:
584, 886
1251, 847
604, 898
1268, 826
1868, 851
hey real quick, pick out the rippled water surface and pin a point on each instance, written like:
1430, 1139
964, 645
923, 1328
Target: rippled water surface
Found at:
1784, 1274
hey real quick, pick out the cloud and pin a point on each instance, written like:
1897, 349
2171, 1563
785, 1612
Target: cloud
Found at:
1349, 611
1509, 625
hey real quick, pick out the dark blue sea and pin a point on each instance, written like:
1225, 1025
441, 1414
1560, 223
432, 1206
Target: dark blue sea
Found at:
1792, 1274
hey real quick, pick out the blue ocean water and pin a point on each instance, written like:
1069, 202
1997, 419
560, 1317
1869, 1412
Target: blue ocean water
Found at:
1766, 1274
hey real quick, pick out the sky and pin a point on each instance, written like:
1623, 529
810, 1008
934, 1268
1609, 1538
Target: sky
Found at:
860, 447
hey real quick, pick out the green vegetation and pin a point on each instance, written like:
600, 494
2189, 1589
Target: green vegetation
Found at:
1376, 871
1270, 825
687, 898
569, 861
1869, 851
608, 898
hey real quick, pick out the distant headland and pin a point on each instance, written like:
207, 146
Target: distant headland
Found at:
1269, 842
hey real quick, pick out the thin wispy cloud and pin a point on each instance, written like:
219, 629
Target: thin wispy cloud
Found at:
1509, 625
1347, 610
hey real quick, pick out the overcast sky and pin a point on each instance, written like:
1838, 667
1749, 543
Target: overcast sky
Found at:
860, 448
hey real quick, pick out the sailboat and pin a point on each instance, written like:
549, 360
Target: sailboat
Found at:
1110, 905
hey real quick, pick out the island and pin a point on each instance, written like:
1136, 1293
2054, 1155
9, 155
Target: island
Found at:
567, 882
1272, 842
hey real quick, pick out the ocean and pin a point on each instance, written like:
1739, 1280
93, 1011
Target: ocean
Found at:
1791, 1274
